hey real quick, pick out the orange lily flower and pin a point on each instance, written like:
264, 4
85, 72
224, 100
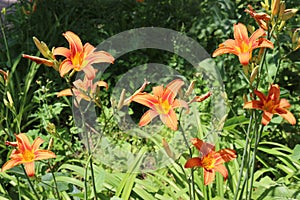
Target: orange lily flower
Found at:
83, 89
242, 46
210, 160
80, 57
161, 103
26, 154
261, 18
271, 104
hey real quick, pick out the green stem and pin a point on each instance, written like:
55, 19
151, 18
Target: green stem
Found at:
243, 157
30, 183
5, 42
88, 145
192, 183
54, 179
257, 138
19, 189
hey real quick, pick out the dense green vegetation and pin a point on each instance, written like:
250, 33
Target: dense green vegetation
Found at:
30, 104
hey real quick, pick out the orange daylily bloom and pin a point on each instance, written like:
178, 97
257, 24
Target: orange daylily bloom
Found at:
242, 46
83, 89
261, 18
80, 57
210, 160
271, 104
26, 154
161, 103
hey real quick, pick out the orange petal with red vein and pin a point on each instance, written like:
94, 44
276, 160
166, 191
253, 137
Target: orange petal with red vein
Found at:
74, 41
266, 118
147, 117
193, 162
209, 176
289, 117
37, 143
170, 120
29, 168
41, 154
222, 169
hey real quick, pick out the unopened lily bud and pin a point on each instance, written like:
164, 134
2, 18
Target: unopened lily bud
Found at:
254, 74
50, 143
43, 48
298, 44
167, 149
288, 13
190, 89
250, 29
275, 7
281, 8
245, 98
39, 60
246, 70
121, 100
10, 100
296, 39
260, 53
51, 129
201, 98
5, 76
140, 90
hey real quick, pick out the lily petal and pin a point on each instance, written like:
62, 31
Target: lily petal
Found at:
100, 57
262, 43
145, 99
170, 120
193, 162
43, 154
224, 155
227, 47
254, 104
257, 34
283, 103
260, 95
62, 51
222, 169
65, 67
266, 118
203, 147
65, 92
11, 163
240, 32
29, 168
23, 142
288, 116
74, 41
37, 143
172, 89
245, 57
209, 176
102, 84
147, 117
89, 72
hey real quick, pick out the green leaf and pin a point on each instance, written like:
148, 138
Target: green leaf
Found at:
235, 121
296, 152
70, 180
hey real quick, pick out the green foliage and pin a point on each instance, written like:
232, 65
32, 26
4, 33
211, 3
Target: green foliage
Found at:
30, 102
